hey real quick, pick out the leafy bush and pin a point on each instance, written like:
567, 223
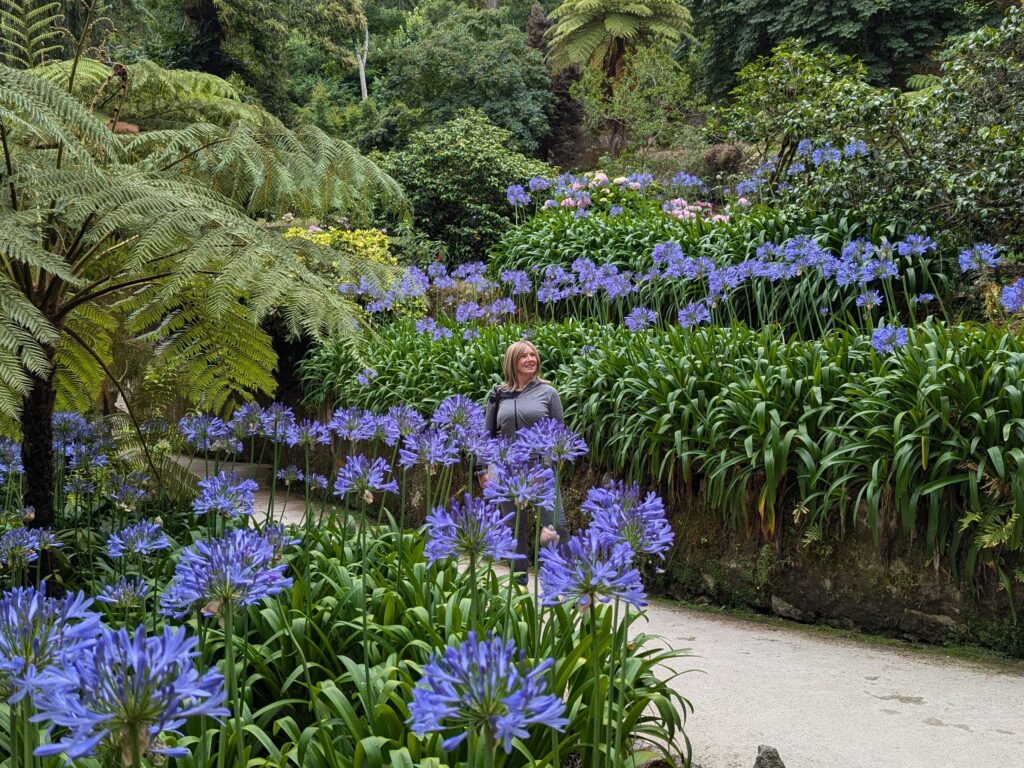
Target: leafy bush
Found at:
830, 433
472, 58
456, 177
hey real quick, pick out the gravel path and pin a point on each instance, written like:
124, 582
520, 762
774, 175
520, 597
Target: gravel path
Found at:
828, 702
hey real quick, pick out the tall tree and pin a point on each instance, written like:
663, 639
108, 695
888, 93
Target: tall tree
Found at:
599, 33
132, 215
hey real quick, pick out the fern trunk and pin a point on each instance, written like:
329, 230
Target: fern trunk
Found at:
37, 449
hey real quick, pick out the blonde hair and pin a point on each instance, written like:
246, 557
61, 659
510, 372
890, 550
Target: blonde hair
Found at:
513, 354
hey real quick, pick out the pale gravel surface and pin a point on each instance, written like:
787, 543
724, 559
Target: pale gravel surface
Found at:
830, 702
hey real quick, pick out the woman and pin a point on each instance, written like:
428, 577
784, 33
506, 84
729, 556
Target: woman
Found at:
523, 400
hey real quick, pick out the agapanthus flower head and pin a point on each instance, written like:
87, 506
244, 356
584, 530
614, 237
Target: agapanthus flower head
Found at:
855, 148
125, 689
279, 539
307, 434
615, 210
431, 448
1012, 296
470, 528
10, 460
684, 180
235, 568
353, 424
618, 511
593, 566
525, 484
539, 184
39, 633
639, 318
408, 419
804, 147
915, 245
483, 686
459, 416
128, 593
386, 430
317, 480
877, 269
923, 298
888, 338
21, 546
869, 300
277, 420
979, 257
413, 283
70, 427
126, 491
517, 196
247, 421
694, 313
290, 474
551, 442
518, 281
204, 432
825, 154
137, 540
365, 477
226, 495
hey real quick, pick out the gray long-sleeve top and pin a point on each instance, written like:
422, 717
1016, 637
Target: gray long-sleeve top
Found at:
518, 410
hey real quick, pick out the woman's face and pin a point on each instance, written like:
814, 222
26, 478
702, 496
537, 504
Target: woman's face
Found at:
526, 365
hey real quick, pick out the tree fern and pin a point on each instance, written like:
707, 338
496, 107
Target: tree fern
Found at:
146, 238
30, 32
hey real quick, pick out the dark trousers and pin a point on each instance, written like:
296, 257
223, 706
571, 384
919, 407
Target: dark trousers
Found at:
527, 532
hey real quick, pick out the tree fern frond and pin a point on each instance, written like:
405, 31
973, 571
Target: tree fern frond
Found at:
30, 32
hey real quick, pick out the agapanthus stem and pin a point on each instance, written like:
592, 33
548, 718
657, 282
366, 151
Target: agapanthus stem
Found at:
613, 655
621, 719
368, 603
231, 675
473, 594
596, 709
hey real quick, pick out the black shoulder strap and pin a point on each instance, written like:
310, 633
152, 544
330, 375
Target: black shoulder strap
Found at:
492, 423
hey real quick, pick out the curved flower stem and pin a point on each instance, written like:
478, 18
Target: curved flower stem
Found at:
612, 725
595, 696
474, 623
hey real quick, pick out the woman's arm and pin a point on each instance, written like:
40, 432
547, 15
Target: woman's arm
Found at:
555, 406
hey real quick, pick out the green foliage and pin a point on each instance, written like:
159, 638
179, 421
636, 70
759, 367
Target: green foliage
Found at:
456, 176
600, 33
471, 58
892, 39
928, 441
652, 99
799, 93
946, 157
30, 32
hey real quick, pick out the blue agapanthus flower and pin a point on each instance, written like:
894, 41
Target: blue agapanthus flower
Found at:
877, 269
137, 540
40, 633
470, 528
516, 195
127, 687
483, 687
365, 477
278, 539
550, 441
888, 338
855, 148
639, 318
128, 593
869, 300
694, 313
352, 424
408, 419
522, 485
915, 245
290, 475
206, 433
247, 421
277, 420
1012, 297
592, 567
236, 568
386, 430
21, 546
618, 511
978, 257
307, 434
431, 448
517, 280
923, 298
226, 495
458, 415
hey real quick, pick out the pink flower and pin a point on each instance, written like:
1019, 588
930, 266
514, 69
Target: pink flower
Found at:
568, 203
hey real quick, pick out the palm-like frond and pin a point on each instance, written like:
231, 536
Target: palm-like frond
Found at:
587, 32
30, 32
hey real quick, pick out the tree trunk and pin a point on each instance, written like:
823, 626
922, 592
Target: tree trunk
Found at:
361, 58
37, 449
